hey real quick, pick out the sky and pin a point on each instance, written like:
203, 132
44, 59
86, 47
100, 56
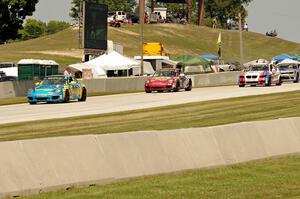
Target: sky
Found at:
263, 15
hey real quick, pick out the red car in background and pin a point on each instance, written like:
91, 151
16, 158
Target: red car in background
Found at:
168, 80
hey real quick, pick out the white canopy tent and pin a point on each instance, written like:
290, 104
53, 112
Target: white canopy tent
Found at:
112, 61
288, 61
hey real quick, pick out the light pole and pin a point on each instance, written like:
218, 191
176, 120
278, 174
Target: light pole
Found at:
142, 18
241, 40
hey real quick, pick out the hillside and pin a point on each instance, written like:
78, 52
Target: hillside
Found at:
177, 39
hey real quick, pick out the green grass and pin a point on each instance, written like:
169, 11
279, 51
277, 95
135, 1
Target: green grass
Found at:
272, 178
177, 39
21, 100
200, 114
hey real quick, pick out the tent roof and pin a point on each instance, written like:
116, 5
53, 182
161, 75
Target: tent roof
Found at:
113, 61
190, 60
288, 61
210, 57
97, 71
283, 57
38, 61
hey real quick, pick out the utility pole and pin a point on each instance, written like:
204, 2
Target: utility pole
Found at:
201, 12
142, 18
241, 40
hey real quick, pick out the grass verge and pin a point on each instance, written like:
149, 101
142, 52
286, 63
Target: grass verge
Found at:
200, 114
272, 178
21, 100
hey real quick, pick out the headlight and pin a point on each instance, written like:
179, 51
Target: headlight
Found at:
148, 81
170, 81
57, 90
262, 76
30, 90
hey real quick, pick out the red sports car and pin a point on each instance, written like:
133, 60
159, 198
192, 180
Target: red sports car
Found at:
168, 80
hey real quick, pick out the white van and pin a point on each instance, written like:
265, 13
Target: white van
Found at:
117, 15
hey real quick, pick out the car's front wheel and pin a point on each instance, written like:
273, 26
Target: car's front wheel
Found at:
83, 95
32, 103
279, 82
269, 82
67, 96
189, 87
297, 78
177, 87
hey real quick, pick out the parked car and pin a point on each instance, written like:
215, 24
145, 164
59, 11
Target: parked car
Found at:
289, 72
133, 18
168, 80
57, 88
260, 74
117, 15
115, 23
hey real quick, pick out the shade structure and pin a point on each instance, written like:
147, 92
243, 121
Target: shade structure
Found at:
282, 57
210, 57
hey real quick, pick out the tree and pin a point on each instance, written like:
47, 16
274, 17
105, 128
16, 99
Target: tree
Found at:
113, 5
12, 15
56, 26
220, 9
33, 29
224, 9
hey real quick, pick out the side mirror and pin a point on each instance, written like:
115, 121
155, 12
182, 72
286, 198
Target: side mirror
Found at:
37, 83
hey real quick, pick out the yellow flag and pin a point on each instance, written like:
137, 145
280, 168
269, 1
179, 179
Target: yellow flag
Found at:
219, 42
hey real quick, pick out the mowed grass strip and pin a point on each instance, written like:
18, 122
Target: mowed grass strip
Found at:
272, 178
200, 114
21, 100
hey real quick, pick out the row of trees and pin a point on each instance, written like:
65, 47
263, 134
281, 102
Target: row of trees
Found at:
35, 28
113, 5
219, 9
14, 12
12, 15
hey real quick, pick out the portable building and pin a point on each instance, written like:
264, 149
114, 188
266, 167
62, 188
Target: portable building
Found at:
34, 69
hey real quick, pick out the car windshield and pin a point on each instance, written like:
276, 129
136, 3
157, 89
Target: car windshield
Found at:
53, 81
164, 74
259, 68
287, 67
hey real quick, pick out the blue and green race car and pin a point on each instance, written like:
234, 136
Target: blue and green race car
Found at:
57, 88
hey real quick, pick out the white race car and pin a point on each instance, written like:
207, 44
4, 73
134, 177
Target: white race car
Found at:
260, 74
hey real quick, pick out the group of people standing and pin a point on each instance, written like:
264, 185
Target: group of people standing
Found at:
230, 24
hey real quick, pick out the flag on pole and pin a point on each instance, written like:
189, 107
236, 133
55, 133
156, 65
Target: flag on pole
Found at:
219, 45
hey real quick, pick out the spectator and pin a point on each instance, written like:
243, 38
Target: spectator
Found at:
246, 27
229, 23
214, 23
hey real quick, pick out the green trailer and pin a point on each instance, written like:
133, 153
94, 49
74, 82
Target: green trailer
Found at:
33, 69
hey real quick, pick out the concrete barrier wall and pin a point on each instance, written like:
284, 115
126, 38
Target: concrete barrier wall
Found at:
19, 88
216, 79
34, 166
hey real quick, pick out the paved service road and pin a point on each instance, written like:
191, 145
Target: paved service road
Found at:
124, 102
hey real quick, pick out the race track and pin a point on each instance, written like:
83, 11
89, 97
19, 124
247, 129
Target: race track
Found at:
124, 102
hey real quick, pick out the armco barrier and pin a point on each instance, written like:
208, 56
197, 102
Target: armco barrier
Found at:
19, 88
34, 166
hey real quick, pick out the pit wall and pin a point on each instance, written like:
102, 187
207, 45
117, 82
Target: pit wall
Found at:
41, 165
19, 88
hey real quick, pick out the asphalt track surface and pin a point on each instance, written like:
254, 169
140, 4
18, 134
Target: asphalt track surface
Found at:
125, 102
